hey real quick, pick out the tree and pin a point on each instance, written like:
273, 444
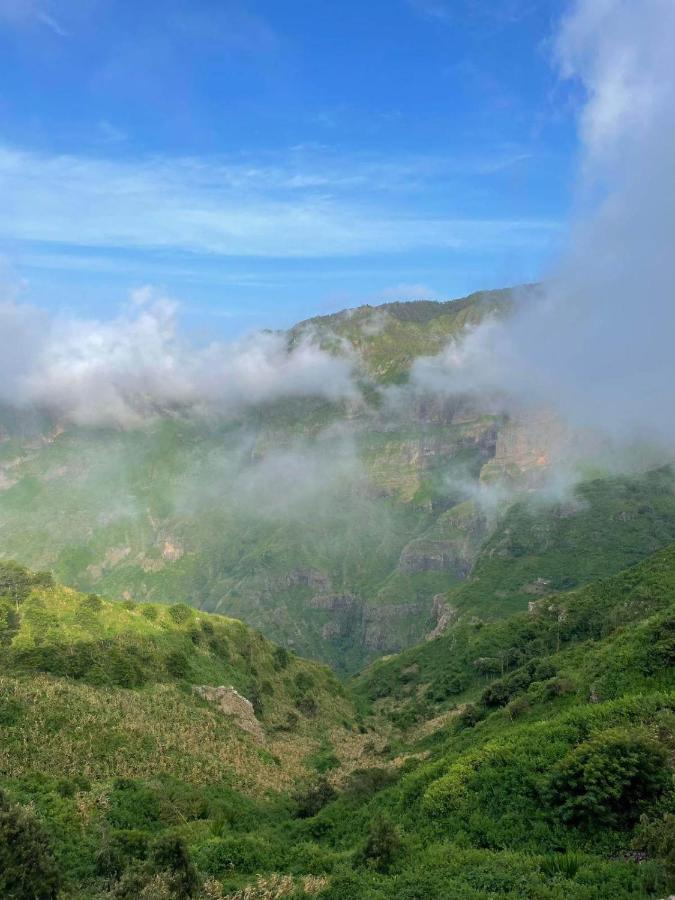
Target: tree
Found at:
381, 845
28, 870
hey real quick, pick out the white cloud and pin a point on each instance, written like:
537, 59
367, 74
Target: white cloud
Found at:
127, 370
599, 345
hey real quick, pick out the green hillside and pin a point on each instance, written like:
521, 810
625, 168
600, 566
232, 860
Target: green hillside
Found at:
388, 338
602, 526
343, 531
528, 757
302, 507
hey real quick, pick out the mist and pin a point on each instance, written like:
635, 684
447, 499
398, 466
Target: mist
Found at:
596, 345
129, 370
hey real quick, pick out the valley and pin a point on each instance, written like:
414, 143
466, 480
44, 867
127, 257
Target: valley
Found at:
401, 645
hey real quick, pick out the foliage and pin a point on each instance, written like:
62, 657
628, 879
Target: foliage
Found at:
608, 780
28, 870
548, 775
382, 845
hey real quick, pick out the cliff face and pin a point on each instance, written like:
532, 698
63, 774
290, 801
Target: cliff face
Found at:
526, 448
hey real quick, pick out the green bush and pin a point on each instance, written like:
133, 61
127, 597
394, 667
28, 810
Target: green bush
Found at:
362, 784
11, 711
92, 603
313, 799
133, 805
28, 870
118, 850
308, 706
177, 664
167, 873
382, 845
246, 855
180, 613
281, 658
609, 780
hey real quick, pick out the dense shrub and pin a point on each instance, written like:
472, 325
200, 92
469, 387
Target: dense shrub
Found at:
362, 784
92, 603
382, 845
281, 658
313, 799
469, 716
242, 854
133, 805
11, 711
608, 780
308, 706
118, 850
180, 613
28, 870
15, 582
177, 664
167, 873
657, 838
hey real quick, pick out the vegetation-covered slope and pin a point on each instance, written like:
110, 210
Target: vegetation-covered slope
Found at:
95, 687
530, 757
602, 526
337, 529
301, 507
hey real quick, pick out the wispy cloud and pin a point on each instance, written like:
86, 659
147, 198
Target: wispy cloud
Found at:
293, 208
432, 9
26, 13
497, 12
51, 23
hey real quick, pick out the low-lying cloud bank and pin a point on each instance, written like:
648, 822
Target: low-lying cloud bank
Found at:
127, 370
598, 345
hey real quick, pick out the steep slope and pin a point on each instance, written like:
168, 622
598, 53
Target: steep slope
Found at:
389, 337
95, 687
340, 530
545, 752
548, 773
302, 507
539, 546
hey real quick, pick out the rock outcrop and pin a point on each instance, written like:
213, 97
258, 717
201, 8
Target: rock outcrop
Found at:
231, 703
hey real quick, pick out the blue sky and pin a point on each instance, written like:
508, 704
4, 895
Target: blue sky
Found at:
265, 161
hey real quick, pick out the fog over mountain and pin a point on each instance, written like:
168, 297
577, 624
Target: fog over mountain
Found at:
596, 344
126, 371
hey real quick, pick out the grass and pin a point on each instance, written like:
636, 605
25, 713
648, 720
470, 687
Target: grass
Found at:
456, 806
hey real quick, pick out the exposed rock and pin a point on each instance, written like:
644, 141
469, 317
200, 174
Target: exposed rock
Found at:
428, 556
333, 602
150, 564
113, 557
538, 587
379, 624
526, 448
231, 703
312, 578
451, 545
444, 613
171, 551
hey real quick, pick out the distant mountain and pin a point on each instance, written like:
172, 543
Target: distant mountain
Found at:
343, 530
